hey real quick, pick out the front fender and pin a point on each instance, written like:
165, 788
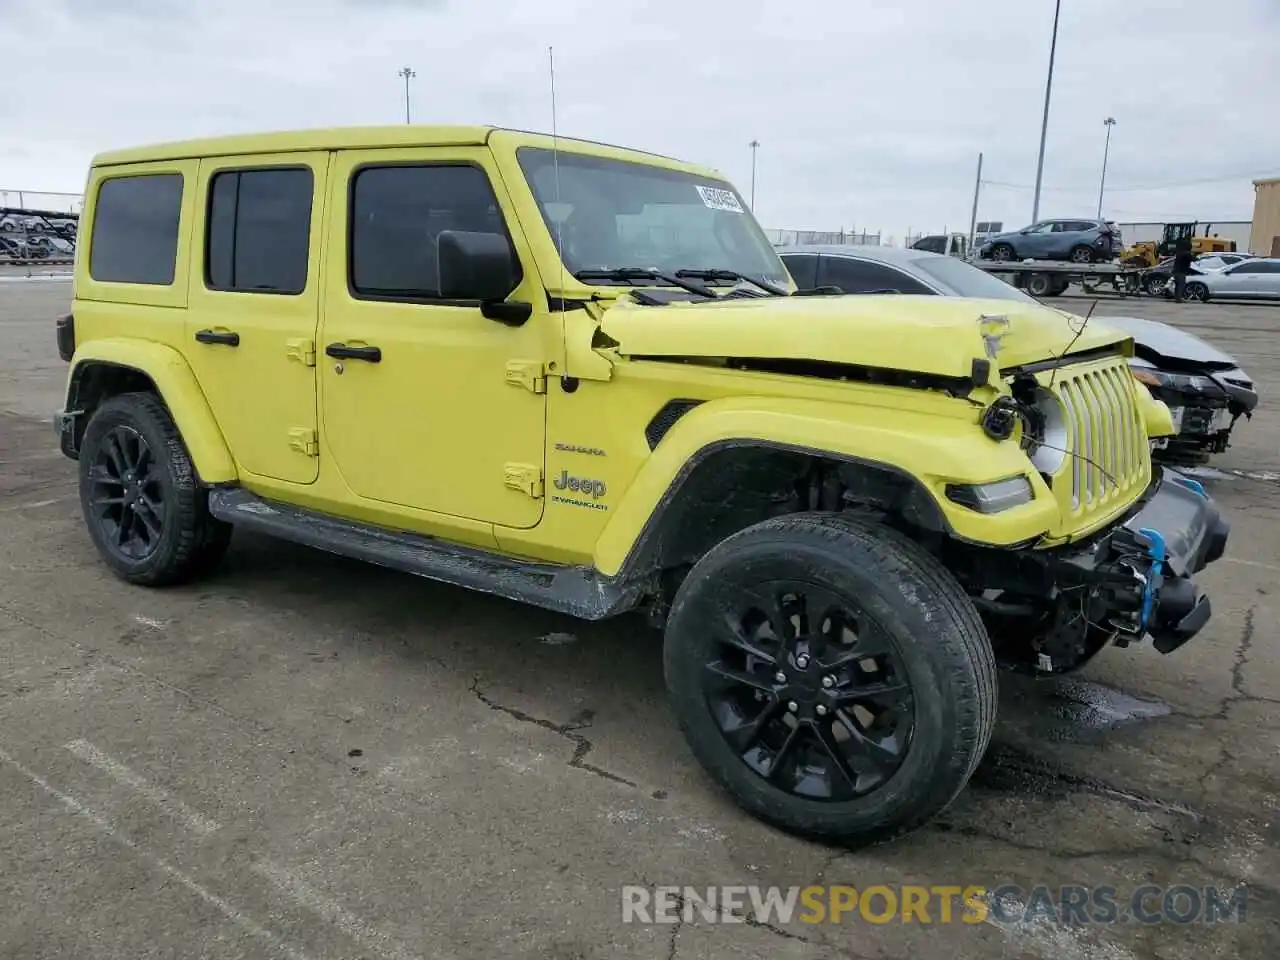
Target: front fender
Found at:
930, 450
176, 383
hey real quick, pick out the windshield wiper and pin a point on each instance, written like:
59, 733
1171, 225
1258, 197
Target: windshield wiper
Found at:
720, 274
623, 274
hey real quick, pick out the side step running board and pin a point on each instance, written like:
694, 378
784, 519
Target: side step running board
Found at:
577, 591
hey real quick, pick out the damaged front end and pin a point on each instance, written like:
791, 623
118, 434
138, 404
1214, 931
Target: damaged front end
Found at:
1205, 405
1050, 611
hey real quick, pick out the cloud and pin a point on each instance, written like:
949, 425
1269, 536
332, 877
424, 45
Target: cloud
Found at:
869, 115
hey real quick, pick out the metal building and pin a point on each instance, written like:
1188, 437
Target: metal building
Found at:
1264, 239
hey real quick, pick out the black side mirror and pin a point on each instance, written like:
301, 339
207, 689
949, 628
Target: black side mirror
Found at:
481, 266
475, 266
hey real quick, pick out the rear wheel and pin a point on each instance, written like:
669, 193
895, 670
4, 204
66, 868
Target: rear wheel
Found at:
1154, 286
1042, 285
141, 498
1002, 251
831, 675
1082, 254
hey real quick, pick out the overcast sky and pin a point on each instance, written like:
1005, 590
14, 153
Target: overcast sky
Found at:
870, 113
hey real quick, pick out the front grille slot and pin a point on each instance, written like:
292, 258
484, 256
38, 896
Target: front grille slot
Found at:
1110, 457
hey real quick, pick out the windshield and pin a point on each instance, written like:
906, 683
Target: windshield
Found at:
964, 280
615, 213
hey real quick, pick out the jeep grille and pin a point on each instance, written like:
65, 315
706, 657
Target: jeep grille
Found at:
1104, 425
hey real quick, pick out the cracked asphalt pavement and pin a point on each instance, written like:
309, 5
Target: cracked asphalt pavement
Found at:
308, 757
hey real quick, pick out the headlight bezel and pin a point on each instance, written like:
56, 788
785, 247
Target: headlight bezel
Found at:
993, 496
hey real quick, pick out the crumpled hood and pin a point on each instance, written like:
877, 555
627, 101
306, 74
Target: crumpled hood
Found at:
1168, 342
940, 336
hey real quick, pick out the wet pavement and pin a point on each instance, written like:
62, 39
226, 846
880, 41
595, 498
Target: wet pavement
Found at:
308, 757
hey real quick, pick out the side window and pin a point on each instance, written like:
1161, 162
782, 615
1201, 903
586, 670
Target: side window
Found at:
1254, 266
396, 215
258, 233
803, 269
135, 229
861, 276
1043, 228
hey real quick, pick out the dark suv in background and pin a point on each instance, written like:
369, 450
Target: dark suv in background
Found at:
1080, 241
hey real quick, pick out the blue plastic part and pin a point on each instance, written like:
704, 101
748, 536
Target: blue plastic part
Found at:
1157, 551
1193, 485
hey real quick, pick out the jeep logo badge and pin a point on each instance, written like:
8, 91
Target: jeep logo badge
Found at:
593, 488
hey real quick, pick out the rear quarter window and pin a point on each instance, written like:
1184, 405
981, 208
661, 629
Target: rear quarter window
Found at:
135, 229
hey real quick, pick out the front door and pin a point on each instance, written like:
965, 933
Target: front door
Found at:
425, 403
252, 307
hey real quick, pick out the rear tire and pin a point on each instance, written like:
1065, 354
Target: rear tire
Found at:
1082, 254
1002, 252
141, 498
1041, 285
789, 635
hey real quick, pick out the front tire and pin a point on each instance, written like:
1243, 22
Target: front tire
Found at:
831, 676
1197, 292
142, 502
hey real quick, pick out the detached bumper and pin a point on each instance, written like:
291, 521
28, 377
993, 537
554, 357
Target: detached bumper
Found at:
1143, 572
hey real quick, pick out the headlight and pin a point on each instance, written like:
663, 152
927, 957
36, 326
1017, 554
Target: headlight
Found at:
1181, 382
991, 497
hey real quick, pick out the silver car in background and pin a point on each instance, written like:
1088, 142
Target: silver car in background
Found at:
1254, 279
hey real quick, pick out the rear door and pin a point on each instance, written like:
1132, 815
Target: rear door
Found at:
253, 306
1268, 279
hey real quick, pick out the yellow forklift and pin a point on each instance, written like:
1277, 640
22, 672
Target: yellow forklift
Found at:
1149, 253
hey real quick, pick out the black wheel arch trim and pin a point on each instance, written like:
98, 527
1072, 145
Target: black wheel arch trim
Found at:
73, 418
639, 557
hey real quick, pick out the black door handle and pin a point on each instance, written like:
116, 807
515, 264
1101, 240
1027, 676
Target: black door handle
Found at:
227, 339
340, 351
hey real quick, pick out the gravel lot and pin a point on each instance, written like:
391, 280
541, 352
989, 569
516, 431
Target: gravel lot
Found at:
307, 757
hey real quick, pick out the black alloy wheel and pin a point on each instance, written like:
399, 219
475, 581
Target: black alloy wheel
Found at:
809, 692
126, 496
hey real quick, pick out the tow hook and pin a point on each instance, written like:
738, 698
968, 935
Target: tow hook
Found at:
1154, 578
1171, 609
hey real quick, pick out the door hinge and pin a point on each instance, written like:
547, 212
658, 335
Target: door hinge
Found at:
305, 441
304, 351
524, 477
530, 374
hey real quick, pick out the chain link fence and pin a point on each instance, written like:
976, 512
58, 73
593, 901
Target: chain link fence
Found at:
787, 238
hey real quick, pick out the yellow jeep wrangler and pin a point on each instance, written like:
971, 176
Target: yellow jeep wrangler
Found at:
579, 376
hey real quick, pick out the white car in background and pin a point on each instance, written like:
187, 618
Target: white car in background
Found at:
1257, 278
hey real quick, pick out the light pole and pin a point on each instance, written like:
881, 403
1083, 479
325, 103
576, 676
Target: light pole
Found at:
1044, 124
754, 145
1109, 123
408, 75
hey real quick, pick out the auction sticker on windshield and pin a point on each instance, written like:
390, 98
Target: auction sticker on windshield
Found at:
718, 199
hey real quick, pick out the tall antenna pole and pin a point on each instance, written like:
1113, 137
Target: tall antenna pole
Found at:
555, 162
973, 218
1044, 124
1106, 150
754, 145
407, 74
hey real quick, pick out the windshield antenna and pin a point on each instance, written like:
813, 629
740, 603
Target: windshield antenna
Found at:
1062, 356
555, 162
